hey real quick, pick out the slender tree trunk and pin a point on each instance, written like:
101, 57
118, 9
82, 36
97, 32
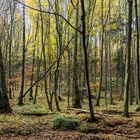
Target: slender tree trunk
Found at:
10, 48
32, 75
138, 56
20, 101
44, 54
37, 74
76, 92
95, 63
101, 62
110, 54
69, 72
127, 77
69, 78
92, 117
59, 48
106, 73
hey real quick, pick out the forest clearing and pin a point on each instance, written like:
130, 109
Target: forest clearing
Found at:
69, 69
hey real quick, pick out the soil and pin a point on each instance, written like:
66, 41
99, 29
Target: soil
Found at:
110, 126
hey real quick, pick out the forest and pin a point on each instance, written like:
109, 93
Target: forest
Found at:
69, 69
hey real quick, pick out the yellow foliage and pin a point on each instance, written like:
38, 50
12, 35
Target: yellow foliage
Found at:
94, 85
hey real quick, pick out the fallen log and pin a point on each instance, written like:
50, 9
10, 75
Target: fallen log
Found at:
80, 111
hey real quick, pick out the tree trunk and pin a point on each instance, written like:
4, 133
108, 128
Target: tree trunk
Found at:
92, 117
101, 62
127, 77
4, 102
44, 54
76, 92
138, 61
32, 75
20, 101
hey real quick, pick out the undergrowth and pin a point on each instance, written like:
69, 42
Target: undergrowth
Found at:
64, 123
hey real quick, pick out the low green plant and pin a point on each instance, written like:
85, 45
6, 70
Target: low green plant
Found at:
64, 123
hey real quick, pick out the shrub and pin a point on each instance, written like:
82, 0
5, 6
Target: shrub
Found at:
64, 123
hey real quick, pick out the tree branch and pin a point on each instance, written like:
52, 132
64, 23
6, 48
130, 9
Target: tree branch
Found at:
49, 67
51, 13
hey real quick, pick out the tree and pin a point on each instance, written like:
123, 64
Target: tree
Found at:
101, 54
4, 101
128, 66
20, 101
76, 92
138, 61
12, 6
43, 41
92, 117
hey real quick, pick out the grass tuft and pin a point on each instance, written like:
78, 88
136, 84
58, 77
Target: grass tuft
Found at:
64, 123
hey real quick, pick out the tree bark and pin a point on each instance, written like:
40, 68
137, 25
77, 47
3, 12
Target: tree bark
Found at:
138, 61
101, 53
127, 76
20, 101
76, 92
4, 102
92, 117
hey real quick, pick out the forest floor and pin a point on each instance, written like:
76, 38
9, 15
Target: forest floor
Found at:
34, 122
